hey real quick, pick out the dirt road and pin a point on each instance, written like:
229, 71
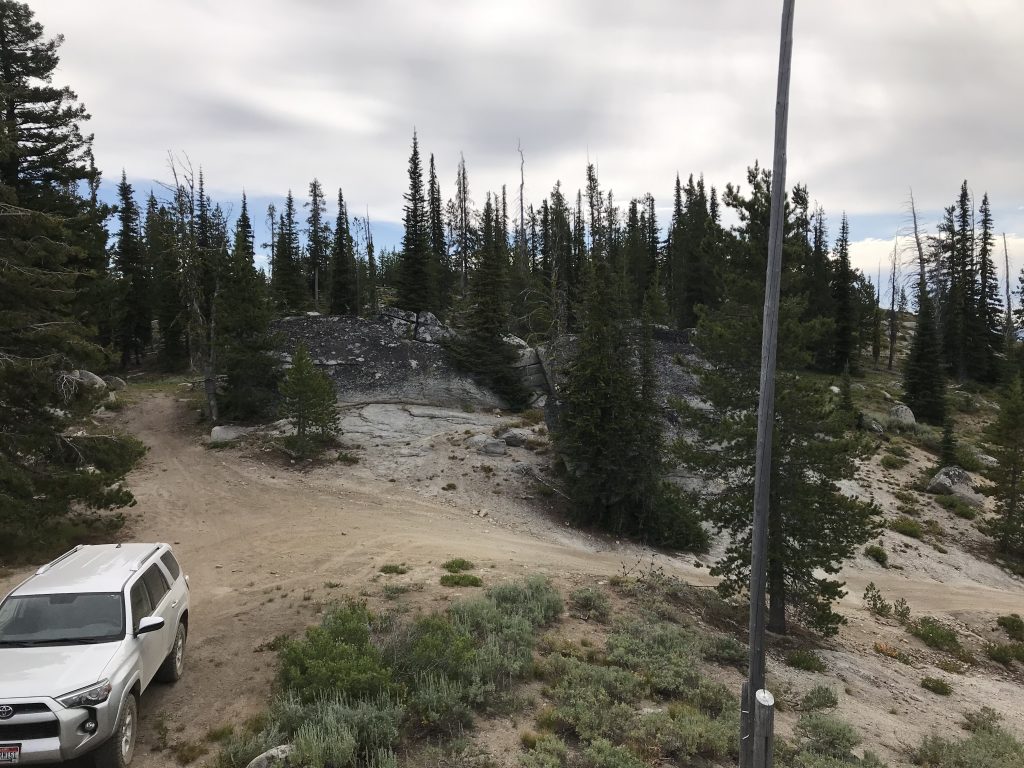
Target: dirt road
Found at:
267, 547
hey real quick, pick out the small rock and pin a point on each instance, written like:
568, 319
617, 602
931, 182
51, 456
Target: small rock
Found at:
272, 757
115, 383
834, 389
515, 438
226, 433
89, 379
877, 428
989, 462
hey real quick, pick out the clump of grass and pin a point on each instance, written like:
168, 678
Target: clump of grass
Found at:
591, 603
957, 506
221, 733
349, 459
907, 526
186, 752
449, 487
1013, 625
952, 666
893, 462
988, 745
461, 580
819, 697
806, 660
878, 554
826, 735
393, 568
458, 565
937, 686
394, 591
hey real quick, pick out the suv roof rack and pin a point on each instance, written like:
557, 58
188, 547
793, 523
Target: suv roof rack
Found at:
44, 568
145, 557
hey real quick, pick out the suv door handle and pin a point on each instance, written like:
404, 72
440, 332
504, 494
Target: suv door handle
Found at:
174, 604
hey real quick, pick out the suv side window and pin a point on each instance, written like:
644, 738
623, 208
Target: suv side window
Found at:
171, 565
156, 584
141, 605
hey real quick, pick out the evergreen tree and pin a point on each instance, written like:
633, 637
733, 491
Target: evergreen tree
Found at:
480, 346
948, 446
318, 244
924, 383
1007, 436
438, 245
134, 310
463, 225
47, 469
309, 400
842, 292
287, 282
344, 274
813, 526
986, 336
169, 310
247, 354
876, 327
608, 428
417, 279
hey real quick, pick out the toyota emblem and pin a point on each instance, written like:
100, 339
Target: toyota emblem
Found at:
6, 711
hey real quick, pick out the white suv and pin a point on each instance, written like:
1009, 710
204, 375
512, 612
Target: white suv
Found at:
79, 642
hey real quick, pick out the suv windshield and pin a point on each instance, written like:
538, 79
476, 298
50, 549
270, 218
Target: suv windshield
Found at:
62, 619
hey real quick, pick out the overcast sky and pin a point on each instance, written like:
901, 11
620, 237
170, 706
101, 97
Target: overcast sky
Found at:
267, 94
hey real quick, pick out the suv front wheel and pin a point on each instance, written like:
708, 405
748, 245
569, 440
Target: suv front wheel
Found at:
117, 752
174, 665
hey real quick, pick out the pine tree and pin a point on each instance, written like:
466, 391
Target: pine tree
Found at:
309, 400
948, 445
463, 225
47, 469
438, 245
480, 346
1007, 436
287, 282
169, 310
247, 349
986, 337
417, 279
344, 274
318, 244
842, 292
813, 527
923, 377
134, 306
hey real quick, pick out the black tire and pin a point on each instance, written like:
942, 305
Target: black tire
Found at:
174, 665
118, 750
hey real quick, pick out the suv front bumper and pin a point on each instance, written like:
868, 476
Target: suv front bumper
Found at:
50, 733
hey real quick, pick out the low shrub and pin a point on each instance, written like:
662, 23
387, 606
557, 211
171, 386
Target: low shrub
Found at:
907, 526
935, 634
1013, 625
726, 649
893, 462
957, 506
591, 603
392, 568
336, 656
1005, 653
826, 735
819, 697
458, 565
989, 747
806, 660
878, 554
461, 580
603, 754
983, 719
545, 751
889, 651
936, 685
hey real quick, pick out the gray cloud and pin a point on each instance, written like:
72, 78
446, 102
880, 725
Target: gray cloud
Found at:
266, 95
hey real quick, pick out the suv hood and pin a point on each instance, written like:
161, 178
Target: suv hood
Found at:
52, 670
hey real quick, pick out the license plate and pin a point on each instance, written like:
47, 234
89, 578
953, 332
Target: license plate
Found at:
10, 754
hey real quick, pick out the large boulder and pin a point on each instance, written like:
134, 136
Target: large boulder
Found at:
430, 330
226, 433
955, 481
516, 437
89, 379
901, 414
115, 383
273, 757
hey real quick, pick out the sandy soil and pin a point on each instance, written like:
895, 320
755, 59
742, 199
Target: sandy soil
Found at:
268, 546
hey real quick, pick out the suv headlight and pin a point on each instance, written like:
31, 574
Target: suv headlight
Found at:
87, 697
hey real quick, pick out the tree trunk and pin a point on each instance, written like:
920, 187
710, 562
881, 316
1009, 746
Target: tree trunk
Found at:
776, 597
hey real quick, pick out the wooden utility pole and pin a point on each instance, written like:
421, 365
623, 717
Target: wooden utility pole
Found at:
755, 744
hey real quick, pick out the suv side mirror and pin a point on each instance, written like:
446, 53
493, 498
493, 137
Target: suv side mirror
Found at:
149, 624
